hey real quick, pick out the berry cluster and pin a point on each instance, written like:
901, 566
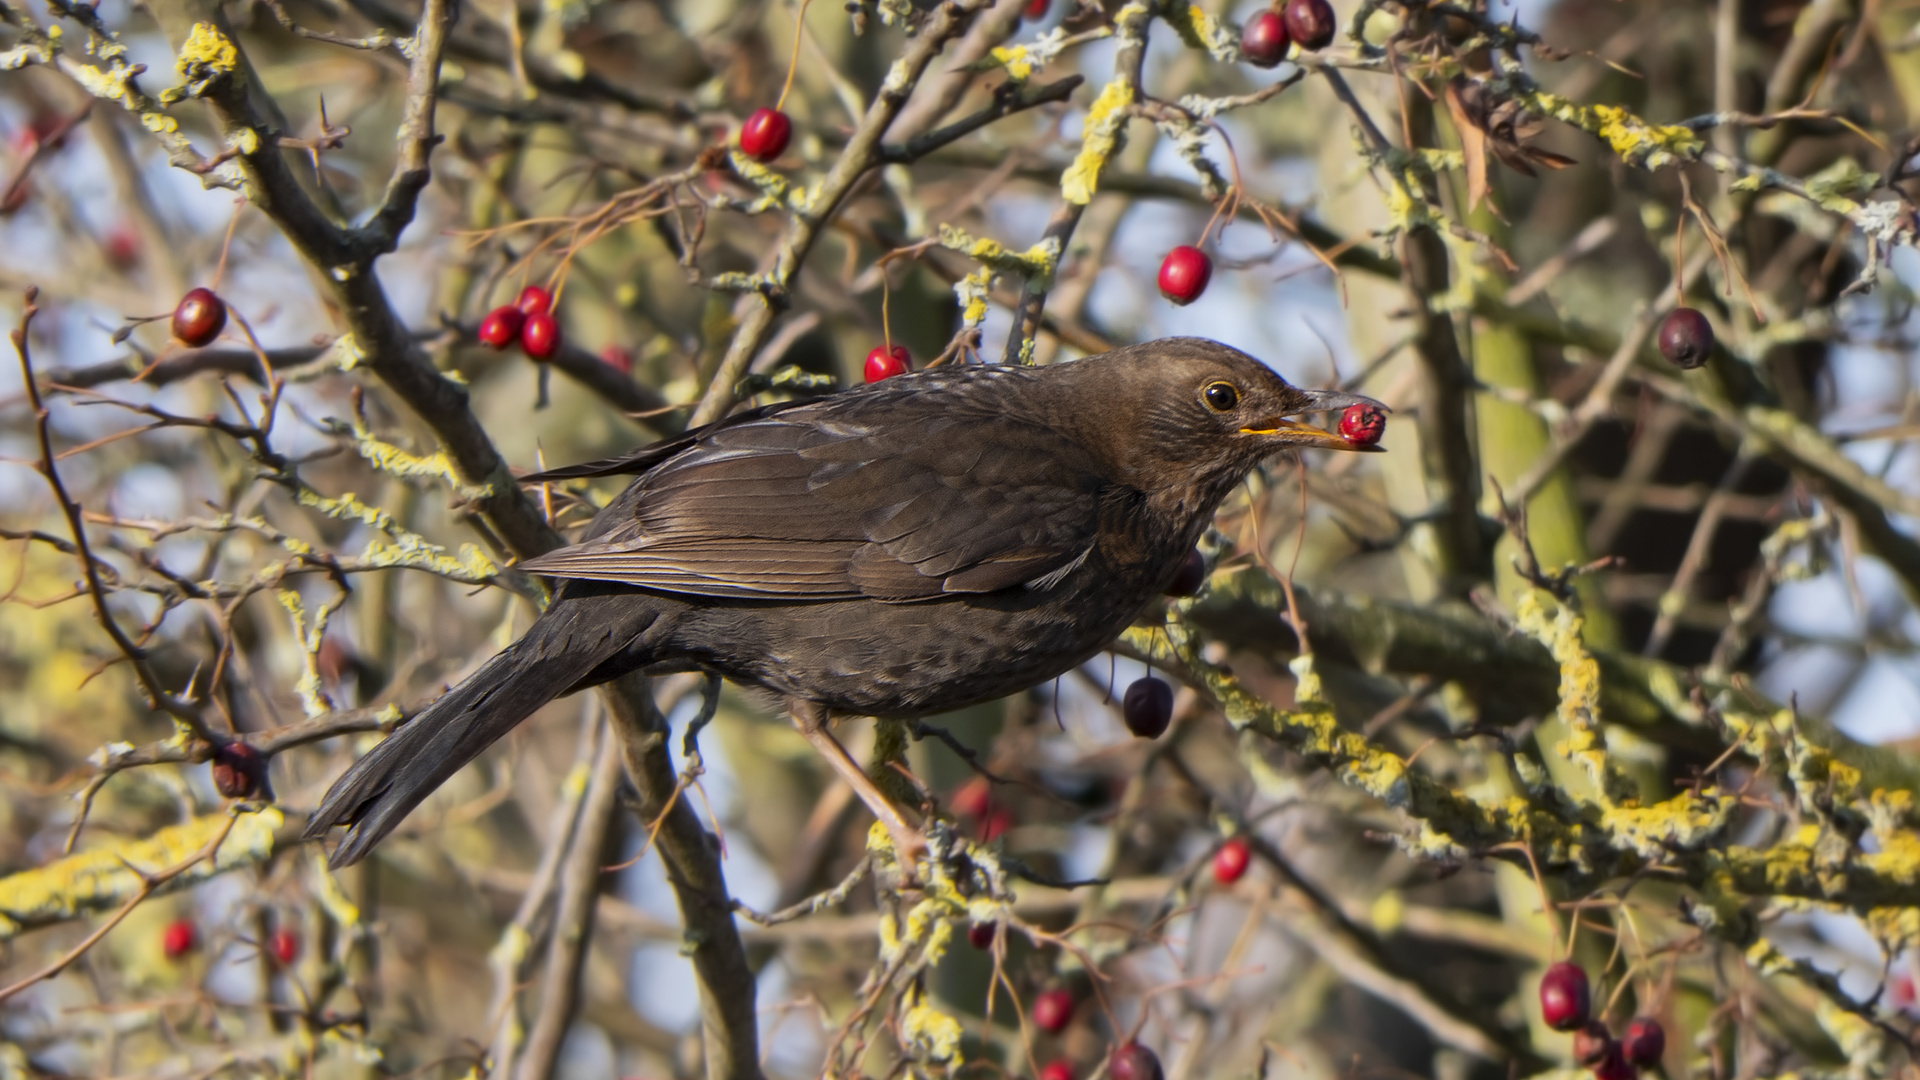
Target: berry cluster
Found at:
528, 320
1566, 1004
1310, 23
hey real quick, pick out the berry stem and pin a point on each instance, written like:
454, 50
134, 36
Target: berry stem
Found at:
220, 271
1680, 258
793, 60
886, 323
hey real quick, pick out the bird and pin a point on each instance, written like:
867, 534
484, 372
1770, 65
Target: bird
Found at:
931, 541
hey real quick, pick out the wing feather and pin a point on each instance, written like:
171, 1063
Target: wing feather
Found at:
840, 498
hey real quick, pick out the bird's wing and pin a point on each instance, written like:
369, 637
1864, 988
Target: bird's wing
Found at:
836, 502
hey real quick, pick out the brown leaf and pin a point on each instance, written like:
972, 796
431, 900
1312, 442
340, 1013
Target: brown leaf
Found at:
1473, 142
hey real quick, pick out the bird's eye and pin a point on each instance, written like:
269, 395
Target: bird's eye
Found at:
1221, 396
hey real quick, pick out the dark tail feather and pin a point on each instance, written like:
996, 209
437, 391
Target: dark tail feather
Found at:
562, 649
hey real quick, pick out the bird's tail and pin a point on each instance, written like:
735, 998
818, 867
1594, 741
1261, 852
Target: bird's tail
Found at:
580, 640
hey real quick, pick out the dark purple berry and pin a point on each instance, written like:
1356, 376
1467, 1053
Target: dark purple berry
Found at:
1148, 707
1264, 41
1686, 337
1192, 575
1311, 23
1645, 1043
1592, 1043
1134, 1062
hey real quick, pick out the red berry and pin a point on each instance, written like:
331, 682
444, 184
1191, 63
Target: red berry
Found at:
285, 945
764, 136
617, 358
534, 300
1686, 337
199, 318
1231, 861
1592, 1043
1264, 41
1363, 425
540, 336
1057, 1070
980, 935
123, 246
1184, 274
1566, 999
239, 772
501, 327
1613, 1065
885, 363
1148, 707
972, 799
1035, 10
1192, 575
1311, 23
1134, 1062
179, 938
996, 823
1053, 1010
1646, 1042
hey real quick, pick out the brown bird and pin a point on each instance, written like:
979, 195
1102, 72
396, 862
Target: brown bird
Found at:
914, 546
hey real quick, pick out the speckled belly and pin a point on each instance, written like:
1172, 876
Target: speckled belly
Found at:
914, 659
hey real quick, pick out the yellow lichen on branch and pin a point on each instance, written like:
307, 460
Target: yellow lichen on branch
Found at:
106, 877
1105, 124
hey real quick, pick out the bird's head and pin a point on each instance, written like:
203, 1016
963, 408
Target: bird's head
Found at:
1199, 408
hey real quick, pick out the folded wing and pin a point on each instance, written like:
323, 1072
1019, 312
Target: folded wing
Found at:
841, 499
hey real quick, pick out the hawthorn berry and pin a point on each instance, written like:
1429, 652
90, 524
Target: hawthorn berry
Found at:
885, 363
123, 246
972, 799
284, 945
1686, 337
239, 771
1592, 1042
1053, 1010
540, 336
1134, 1062
1363, 424
1192, 575
501, 327
1311, 23
1148, 707
1035, 10
534, 300
179, 938
1566, 998
1645, 1042
996, 823
980, 935
1057, 1070
765, 134
617, 358
1231, 861
1613, 1065
199, 318
1184, 274
1264, 41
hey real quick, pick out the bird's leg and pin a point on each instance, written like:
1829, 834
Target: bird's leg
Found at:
811, 719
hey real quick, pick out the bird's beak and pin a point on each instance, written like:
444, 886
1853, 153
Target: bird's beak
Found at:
1294, 433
